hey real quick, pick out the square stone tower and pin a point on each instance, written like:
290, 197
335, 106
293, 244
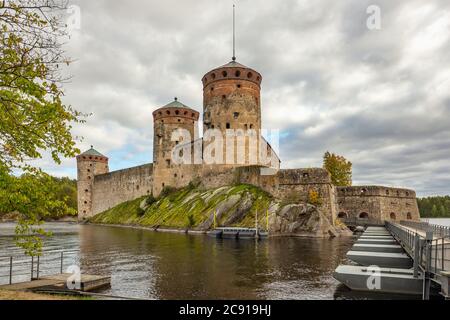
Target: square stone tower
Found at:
89, 164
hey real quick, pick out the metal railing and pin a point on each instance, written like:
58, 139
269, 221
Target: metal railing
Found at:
25, 268
442, 231
431, 254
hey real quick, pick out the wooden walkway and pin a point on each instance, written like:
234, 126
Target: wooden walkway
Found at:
59, 281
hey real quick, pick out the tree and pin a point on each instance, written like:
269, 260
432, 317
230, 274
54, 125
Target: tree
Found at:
434, 211
33, 118
339, 168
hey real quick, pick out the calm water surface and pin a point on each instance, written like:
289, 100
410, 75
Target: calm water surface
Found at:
153, 265
439, 221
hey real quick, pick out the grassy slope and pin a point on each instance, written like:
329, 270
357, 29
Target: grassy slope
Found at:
173, 210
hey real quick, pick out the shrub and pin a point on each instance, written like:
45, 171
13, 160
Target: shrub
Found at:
167, 191
191, 221
150, 200
313, 198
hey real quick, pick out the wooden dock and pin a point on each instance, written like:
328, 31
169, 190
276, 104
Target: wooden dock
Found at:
59, 282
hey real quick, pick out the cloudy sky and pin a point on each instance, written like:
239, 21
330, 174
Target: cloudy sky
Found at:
379, 97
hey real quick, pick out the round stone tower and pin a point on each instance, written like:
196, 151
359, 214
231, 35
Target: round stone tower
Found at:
89, 164
232, 100
166, 121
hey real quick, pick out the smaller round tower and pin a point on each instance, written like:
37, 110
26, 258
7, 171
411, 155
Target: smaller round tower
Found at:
166, 120
89, 164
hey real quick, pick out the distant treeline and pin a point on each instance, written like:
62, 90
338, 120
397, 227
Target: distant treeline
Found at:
59, 191
434, 207
66, 190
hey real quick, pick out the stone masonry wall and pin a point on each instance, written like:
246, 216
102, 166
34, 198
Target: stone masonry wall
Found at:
111, 189
377, 202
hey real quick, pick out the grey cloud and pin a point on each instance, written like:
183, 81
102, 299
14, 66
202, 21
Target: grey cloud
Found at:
380, 98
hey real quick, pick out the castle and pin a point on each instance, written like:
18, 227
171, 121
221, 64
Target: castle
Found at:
231, 103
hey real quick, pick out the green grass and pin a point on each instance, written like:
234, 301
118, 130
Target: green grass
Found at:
190, 207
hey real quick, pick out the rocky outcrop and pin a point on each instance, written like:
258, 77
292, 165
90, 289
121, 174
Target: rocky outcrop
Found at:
303, 220
230, 206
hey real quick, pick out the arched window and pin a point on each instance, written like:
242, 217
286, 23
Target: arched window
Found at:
393, 217
238, 73
364, 215
342, 215
409, 216
224, 73
249, 75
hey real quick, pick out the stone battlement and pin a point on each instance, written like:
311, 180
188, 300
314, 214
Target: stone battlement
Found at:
377, 191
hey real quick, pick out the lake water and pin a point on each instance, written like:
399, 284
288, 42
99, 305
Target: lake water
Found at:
155, 265
439, 221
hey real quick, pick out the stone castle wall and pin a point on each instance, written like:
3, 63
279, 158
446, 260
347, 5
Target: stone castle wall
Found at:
113, 188
377, 202
287, 184
374, 202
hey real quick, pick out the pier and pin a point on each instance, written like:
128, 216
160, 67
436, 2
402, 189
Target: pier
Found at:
46, 274
407, 257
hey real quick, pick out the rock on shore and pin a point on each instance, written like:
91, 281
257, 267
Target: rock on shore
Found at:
230, 206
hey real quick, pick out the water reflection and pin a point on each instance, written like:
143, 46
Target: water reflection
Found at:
156, 265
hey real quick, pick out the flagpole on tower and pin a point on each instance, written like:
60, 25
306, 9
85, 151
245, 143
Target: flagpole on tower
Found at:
234, 34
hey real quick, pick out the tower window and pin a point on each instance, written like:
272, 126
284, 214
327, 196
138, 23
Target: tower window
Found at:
168, 162
193, 114
251, 126
239, 86
168, 112
177, 112
249, 75
228, 125
175, 175
224, 73
185, 113
213, 75
238, 73
235, 115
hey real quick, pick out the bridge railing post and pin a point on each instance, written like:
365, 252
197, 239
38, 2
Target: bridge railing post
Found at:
10, 269
427, 275
417, 249
62, 261
32, 267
